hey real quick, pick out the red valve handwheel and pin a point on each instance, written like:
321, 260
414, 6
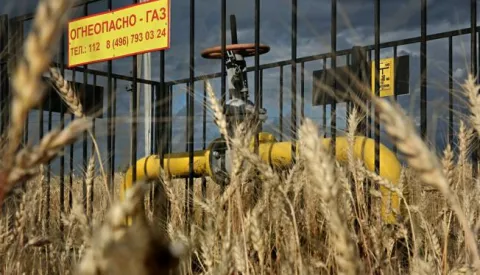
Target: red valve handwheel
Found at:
243, 49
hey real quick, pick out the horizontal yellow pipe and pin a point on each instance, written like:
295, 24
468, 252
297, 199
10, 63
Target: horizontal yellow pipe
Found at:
174, 165
279, 154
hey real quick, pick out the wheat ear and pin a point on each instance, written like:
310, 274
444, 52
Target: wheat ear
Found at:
219, 116
29, 158
90, 179
71, 98
66, 92
321, 168
28, 89
400, 129
471, 90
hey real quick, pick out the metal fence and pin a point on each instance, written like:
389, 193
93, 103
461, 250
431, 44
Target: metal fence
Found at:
115, 86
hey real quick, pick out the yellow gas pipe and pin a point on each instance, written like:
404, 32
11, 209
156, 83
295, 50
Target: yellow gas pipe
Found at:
278, 154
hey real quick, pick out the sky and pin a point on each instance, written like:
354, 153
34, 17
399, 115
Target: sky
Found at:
355, 26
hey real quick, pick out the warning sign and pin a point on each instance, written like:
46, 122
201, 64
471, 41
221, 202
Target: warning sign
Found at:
131, 30
394, 80
387, 77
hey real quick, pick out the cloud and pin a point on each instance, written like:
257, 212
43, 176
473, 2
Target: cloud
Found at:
459, 73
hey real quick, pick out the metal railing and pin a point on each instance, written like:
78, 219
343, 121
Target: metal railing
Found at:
164, 90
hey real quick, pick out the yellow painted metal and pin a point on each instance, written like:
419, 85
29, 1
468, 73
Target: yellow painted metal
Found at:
175, 165
279, 154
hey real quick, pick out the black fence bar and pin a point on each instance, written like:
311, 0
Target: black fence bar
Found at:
85, 143
261, 95
25, 136
423, 70
40, 121
302, 91
280, 103
348, 105
14, 48
224, 52
92, 153
187, 126
377, 93
450, 92
310, 58
16, 30
158, 123
153, 121
233, 29
4, 83
333, 106
119, 76
261, 88
257, 68
324, 107
367, 114
191, 110
204, 146
377, 84
473, 63
134, 117
159, 138
155, 124
133, 125
347, 102
170, 115
369, 105
395, 95
163, 105
70, 183
62, 155
110, 171
40, 136
114, 126
294, 78
49, 168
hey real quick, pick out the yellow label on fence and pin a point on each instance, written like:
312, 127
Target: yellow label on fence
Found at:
131, 30
387, 77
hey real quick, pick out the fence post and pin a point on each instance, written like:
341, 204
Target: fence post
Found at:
359, 70
4, 83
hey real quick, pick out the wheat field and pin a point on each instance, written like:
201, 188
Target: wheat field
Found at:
311, 219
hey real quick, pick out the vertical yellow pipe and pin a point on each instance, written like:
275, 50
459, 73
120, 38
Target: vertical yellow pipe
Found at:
279, 154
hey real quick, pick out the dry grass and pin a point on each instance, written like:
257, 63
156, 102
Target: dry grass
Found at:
306, 221
311, 219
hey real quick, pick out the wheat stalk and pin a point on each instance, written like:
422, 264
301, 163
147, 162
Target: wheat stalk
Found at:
29, 158
322, 173
419, 157
40, 44
70, 97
